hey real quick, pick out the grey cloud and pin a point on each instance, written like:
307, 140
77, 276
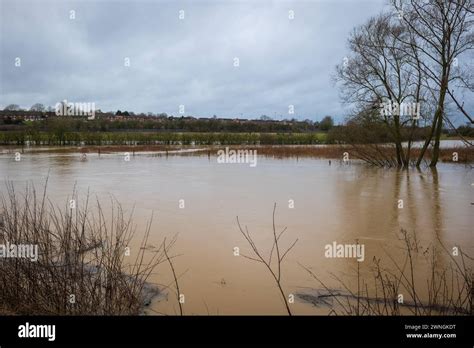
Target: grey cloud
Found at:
174, 61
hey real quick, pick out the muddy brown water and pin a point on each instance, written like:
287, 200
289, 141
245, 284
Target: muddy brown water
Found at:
332, 203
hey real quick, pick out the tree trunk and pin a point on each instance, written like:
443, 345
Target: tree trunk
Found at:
398, 142
427, 143
439, 115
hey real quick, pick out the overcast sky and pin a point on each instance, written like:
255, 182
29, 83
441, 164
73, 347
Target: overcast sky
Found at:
177, 61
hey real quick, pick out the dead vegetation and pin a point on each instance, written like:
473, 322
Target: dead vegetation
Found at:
373, 154
84, 264
445, 290
274, 268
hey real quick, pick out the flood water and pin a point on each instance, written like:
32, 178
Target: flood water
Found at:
332, 203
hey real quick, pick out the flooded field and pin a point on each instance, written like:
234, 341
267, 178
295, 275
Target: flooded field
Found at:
199, 199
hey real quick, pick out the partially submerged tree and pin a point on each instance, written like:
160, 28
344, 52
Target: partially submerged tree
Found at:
411, 57
378, 75
441, 34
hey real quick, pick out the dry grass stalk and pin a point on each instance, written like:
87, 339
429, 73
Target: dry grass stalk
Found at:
449, 288
83, 267
280, 255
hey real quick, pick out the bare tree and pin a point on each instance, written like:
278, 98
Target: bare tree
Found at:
412, 55
37, 107
12, 107
441, 34
378, 72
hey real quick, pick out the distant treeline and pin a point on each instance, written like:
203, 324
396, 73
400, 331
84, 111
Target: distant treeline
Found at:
118, 122
43, 129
